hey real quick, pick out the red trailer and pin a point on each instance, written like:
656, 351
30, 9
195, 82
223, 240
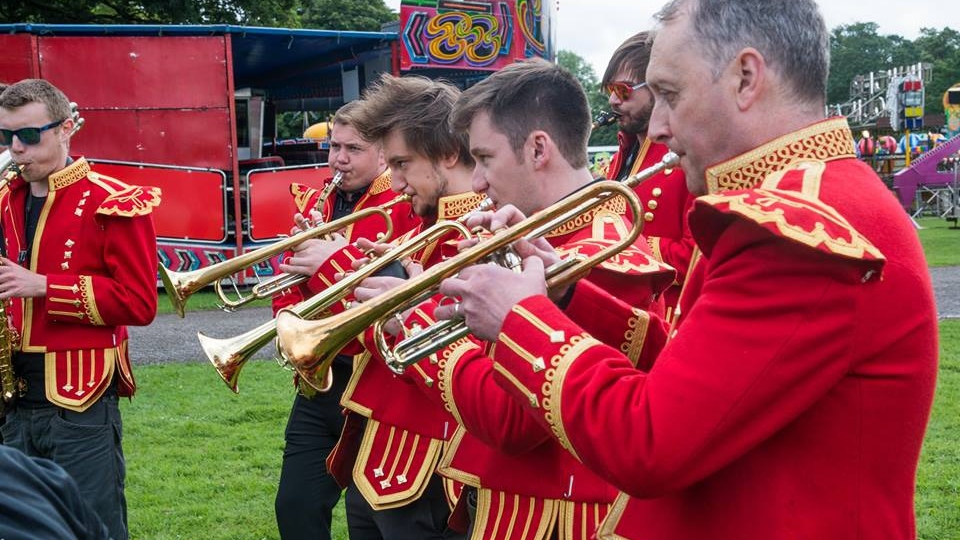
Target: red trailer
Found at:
192, 109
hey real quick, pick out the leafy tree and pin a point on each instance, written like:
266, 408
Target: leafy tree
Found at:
244, 12
857, 49
583, 71
941, 48
340, 15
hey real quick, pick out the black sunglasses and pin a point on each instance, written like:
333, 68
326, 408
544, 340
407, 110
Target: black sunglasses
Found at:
28, 135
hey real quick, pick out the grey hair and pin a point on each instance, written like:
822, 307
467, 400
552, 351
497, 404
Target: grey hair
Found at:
790, 34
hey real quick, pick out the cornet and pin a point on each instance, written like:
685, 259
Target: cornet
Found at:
229, 355
310, 346
181, 285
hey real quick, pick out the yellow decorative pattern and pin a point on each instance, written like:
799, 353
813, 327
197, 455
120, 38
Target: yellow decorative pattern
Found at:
71, 174
635, 335
380, 184
301, 195
553, 386
446, 366
616, 206
90, 300
825, 141
134, 201
767, 206
454, 206
607, 530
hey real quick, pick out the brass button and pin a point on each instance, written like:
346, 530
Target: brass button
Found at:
648, 216
652, 205
657, 192
667, 172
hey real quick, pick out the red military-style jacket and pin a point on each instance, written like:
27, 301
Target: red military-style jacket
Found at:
666, 203
394, 435
523, 476
96, 245
373, 227
792, 399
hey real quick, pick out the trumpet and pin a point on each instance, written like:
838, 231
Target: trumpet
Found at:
605, 118
310, 346
181, 285
229, 355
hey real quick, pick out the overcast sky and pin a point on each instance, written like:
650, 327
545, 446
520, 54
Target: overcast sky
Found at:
594, 28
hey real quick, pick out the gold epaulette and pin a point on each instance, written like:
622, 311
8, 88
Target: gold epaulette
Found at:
125, 200
787, 204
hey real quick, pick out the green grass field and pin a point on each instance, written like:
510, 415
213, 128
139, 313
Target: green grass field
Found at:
941, 242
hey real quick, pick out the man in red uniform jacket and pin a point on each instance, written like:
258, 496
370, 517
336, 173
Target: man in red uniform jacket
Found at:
81, 262
792, 398
664, 196
530, 151
394, 435
307, 494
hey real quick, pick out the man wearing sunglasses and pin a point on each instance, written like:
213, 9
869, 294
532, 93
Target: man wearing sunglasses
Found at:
665, 197
79, 264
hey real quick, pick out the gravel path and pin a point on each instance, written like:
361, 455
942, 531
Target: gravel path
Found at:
172, 339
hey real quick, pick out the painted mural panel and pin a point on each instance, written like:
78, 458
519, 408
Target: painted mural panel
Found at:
475, 34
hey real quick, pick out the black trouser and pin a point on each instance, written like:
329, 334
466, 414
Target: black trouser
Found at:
423, 519
307, 494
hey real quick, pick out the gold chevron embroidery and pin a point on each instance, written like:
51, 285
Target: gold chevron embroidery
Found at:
536, 362
556, 336
531, 397
607, 530
810, 183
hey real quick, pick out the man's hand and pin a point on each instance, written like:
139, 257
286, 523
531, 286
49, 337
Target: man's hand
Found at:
310, 254
488, 292
18, 282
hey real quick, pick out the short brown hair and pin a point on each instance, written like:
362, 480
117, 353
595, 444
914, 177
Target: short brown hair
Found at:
36, 91
419, 109
631, 57
531, 95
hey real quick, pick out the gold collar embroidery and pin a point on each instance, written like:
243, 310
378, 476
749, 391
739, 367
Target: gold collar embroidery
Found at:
824, 141
454, 206
69, 175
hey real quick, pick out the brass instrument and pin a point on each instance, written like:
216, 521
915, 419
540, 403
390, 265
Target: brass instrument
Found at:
229, 355
10, 388
311, 346
605, 118
181, 285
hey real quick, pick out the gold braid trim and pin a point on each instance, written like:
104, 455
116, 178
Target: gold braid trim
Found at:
616, 205
380, 183
454, 206
635, 335
824, 141
552, 388
71, 174
90, 300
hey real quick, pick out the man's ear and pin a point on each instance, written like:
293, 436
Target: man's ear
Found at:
750, 68
540, 145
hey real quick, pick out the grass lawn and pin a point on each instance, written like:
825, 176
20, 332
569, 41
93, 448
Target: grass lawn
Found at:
941, 243
204, 463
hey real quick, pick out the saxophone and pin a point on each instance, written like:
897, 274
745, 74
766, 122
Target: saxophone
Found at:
10, 388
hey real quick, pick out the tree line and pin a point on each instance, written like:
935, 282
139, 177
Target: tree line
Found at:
856, 49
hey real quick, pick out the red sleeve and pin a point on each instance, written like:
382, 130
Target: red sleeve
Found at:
127, 293
751, 356
676, 251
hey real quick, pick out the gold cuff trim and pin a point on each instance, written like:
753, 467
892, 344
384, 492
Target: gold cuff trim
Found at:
635, 335
553, 387
536, 362
89, 300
